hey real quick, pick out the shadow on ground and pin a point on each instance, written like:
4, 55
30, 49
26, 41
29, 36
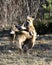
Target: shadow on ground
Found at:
46, 37
39, 47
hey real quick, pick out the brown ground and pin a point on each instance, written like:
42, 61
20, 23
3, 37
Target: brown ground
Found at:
41, 54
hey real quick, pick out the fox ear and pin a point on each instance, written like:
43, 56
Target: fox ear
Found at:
28, 17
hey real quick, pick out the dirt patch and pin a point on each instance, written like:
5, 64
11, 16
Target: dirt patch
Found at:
41, 54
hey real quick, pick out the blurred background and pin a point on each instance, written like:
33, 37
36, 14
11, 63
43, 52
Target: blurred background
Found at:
16, 11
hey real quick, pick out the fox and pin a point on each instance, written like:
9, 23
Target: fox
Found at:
25, 34
19, 35
31, 29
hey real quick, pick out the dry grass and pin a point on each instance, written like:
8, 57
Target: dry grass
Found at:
41, 54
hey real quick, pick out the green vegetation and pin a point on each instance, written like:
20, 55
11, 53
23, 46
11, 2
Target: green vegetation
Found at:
43, 28
16, 11
44, 22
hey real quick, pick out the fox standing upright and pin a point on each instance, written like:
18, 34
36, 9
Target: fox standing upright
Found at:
31, 29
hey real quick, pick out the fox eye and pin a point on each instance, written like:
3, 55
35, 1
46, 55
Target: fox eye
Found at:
28, 20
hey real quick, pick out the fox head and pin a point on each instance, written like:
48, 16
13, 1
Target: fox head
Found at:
30, 19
